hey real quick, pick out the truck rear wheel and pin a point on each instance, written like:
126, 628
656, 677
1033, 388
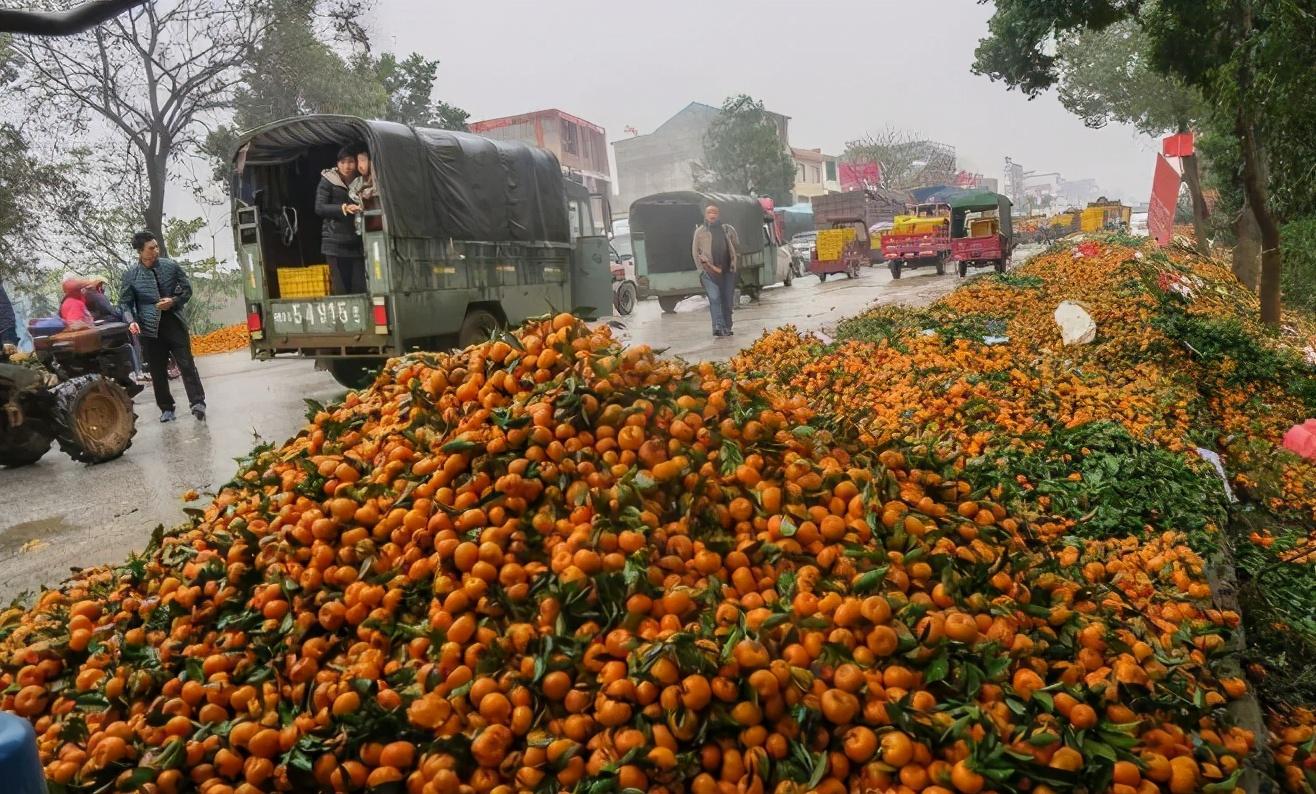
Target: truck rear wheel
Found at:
478, 326
941, 265
1000, 266
22, 445
896, 267
963, 268
669, 302
94, 419
354, 373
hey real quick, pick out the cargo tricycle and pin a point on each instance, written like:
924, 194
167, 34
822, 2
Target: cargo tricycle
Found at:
980, 231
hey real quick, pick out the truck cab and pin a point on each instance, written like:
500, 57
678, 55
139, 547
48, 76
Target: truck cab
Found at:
466, 235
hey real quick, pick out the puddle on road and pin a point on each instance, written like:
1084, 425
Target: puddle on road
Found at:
32, 535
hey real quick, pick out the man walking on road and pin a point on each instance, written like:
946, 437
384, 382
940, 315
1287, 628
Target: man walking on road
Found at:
714, 249
155, 290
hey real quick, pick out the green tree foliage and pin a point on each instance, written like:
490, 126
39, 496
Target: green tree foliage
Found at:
1245, 58
212, 283
409, 87
302, 65
744, 153
26, 183
1107, 75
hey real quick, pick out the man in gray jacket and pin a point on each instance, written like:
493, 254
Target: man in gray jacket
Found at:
154, 292
714, 248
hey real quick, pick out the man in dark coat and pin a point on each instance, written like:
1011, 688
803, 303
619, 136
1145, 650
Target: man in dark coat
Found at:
338, 238
154, 292
8, 325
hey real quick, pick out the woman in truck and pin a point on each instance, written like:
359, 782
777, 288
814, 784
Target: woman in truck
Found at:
338, 238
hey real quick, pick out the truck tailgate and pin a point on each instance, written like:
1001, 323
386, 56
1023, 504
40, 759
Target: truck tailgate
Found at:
349, 314
978, 247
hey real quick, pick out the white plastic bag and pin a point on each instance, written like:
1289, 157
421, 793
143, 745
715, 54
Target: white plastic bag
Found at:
1076, 326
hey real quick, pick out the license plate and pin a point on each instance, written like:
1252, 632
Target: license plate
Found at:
344, 316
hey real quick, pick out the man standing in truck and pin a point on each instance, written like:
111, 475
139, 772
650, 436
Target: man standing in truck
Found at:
714, 249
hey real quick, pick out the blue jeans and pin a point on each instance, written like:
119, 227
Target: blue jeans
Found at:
721, 292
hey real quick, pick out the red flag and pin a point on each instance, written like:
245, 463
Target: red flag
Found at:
1164, 200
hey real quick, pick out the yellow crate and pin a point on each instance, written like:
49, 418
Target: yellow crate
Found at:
831, 243
304, 282
982, 227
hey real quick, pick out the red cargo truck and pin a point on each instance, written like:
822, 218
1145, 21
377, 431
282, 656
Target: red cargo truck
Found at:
923, 246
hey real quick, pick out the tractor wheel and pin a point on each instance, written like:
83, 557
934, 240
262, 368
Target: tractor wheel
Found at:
822, 277
626, 298
22, 445
478, 326
941, 265
896, 267
1000, 266
669, 302
94, 419
963, 267
354, 373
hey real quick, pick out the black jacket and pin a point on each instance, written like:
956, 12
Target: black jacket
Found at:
8, 324
139, 294
338, 235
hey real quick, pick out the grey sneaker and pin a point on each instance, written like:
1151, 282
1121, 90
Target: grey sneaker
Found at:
167, 416
199, 411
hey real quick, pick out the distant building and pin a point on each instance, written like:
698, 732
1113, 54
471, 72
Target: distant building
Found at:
664, 159
1078, 192
581, 146
815, 173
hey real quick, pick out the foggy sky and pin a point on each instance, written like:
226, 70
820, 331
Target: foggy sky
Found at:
838, 68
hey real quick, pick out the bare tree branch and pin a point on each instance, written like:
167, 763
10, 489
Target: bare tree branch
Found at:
152, 76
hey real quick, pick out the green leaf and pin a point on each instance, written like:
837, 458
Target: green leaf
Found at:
137, 778
459, 445
787, 527
938, 668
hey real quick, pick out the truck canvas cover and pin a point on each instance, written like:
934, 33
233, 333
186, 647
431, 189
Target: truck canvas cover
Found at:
668, 221
434, 183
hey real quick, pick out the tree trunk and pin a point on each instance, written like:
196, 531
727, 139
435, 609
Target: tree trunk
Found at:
157, 179
1258, 197
1192, 176
1247, 249
1255, 185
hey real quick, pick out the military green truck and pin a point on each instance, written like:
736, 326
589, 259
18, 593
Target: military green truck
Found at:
467, 234
661, 229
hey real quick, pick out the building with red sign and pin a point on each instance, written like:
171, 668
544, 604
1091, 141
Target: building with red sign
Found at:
581, 146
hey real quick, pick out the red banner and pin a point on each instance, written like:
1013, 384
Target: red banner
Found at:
1178, 145
857, 176
1164, 199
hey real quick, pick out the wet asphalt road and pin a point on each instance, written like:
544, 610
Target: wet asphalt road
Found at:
58, 514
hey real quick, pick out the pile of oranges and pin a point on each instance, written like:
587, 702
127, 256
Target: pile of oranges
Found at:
902, 374
221, 340
549, 563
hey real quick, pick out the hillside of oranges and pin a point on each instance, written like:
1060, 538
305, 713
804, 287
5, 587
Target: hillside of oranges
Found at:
906, 560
